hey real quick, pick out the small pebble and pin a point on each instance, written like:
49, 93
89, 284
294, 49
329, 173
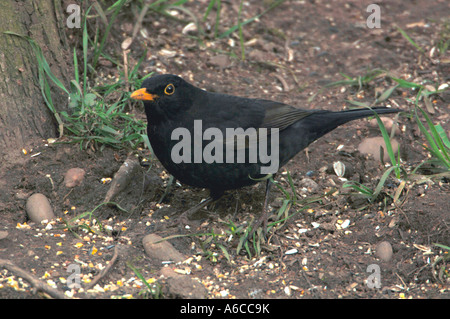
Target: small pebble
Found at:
157, 248
74, 177
310, 173
387, 122
372, 146
384, 251
3, 234
222, 61
309, 184
38, 208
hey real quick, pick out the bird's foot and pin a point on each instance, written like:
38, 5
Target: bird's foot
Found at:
183, 219
261, 221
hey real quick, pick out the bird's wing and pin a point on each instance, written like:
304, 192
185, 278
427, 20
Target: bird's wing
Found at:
227, 111
279, 115
276, 116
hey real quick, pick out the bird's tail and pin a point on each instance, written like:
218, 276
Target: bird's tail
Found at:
321, 122
342, 117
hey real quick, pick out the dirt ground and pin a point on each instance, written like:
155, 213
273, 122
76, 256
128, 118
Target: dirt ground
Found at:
324, 251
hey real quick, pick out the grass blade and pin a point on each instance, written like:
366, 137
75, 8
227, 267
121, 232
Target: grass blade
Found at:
387, 142
381, 183
208, 9
98, 50
443, 135
407, 37
359, 104
386, 94
241, 36
406, 84
42, 62
437, 147
235, 27
360, 188
154, 293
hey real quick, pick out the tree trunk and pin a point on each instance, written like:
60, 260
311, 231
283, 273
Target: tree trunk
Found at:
25, 119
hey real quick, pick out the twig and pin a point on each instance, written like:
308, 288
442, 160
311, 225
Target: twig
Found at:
37, 284
105, 270
286, 87
140, 19
404, 285
311, 287
123, 177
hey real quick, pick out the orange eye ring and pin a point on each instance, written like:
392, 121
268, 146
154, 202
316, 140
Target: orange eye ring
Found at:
170, 89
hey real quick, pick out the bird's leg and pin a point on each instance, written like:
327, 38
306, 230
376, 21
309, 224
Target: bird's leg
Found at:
183, 219
172, 181
264, 215
237, 204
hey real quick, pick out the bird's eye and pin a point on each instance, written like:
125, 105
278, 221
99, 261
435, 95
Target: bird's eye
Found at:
170, 89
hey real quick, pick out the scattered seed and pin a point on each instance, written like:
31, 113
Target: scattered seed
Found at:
291, 251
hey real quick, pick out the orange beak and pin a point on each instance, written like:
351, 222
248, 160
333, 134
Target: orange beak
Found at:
142, 94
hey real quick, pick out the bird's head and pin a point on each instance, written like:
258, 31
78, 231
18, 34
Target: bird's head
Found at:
164, 96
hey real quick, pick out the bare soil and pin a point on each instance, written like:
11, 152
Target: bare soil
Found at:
290, 53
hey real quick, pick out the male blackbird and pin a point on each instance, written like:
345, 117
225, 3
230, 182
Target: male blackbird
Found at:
177, 110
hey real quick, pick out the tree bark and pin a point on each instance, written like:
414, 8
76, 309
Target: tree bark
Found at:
25, 119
